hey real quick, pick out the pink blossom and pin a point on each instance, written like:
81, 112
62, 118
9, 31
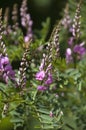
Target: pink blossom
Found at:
49, 80
4, 60
41, 88
80, 49
70, 41
69, 55
6, 68
51, 114
40, 75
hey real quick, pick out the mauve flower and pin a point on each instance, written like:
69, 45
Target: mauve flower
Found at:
79, 49
23, 22
42, 65
6, 69
49, 80
41, 88
26, 21
69, 51
10, 72
49, 67
71, 29
51, 114
5, 77
69, 55
4, 60
40, 75
70, 41
26, 38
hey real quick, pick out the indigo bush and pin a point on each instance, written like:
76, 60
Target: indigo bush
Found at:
43, 83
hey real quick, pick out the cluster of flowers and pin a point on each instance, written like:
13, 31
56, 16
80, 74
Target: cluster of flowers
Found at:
26, 22
22, 70
6, 71
44, 76
45, 70
74, 51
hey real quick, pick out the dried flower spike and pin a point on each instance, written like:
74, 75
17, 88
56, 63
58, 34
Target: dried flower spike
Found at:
15, 17
6, 17
26, 21
77, 23
2, 45
23, 67
54, 39
45, 69
5, 67
66, 21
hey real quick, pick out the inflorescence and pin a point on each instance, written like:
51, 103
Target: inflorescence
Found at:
6, 71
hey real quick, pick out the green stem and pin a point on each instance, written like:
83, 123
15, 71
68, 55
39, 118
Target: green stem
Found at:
4, 92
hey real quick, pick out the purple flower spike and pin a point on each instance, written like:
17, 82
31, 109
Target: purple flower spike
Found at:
70, 41
42, 65
40, 75
69, 55
49, 80
41, 88
79, 49
26, 21
26, 39
6, 69
5, 77
4, 60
